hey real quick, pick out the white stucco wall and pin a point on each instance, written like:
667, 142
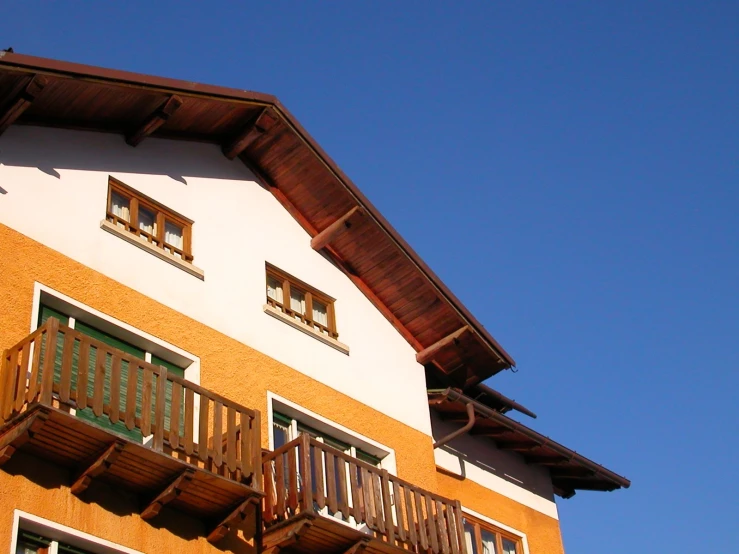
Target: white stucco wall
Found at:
53, 188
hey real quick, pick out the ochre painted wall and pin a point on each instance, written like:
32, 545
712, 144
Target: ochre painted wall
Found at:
229, 368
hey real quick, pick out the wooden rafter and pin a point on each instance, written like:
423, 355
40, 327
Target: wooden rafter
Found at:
516, 446
169, 494
17, 436
251, 132
98, 467
322, 239
490, 432
158, 118
234, 518
427, 354
32, 89
546, 461
358, 547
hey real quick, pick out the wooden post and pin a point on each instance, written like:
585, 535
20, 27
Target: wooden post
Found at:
305, 473
159, 409
47, 379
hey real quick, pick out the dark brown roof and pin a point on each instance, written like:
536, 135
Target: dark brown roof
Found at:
569, 470
264, 135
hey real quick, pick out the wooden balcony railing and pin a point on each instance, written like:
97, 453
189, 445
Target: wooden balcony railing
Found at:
57, 366
306, 476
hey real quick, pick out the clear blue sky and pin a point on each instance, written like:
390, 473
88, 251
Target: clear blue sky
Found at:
570, 169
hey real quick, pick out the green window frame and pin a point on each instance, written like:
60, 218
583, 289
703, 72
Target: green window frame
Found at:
45, 312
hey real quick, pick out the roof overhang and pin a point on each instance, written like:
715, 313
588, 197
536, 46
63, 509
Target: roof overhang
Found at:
258, 130
569, 470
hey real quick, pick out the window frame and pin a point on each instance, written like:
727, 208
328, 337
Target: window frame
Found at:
288, 283
479, 525
162, 216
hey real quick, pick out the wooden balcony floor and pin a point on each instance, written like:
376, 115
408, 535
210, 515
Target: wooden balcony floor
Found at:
310, 533
91, 452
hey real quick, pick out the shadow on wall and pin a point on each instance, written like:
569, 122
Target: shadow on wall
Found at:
117, 501
50, 150
477, 459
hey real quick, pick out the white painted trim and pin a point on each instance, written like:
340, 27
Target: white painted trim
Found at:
57, 531
300, 326
146, 246
339, 431
501, 526
192, 371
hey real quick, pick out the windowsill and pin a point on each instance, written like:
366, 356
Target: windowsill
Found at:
151, 249
300, 326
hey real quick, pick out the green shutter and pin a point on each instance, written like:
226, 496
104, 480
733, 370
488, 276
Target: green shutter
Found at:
114, 342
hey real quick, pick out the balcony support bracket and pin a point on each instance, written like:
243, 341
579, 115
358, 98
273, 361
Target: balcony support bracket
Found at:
17, 436
287, 537
169, 494
234, 518
358, 547
98, 467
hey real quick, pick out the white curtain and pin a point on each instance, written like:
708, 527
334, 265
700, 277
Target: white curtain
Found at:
488, 542
297, 301
274, 289
147, 222
509, 547
173, 236
120, 205
469, 538
320, 313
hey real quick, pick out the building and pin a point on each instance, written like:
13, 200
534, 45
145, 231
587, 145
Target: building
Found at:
268, 365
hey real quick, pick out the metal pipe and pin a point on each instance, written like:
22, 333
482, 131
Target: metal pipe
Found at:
461, 431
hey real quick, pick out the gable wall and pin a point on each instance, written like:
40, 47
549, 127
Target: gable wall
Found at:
55, 186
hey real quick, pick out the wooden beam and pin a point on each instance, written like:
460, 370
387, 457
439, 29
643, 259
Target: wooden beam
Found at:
158, 118
22, 101
251, 132
169, 494
17, 436
358, 547
285, 536
427, 354
98, 467
234, 518
329, 233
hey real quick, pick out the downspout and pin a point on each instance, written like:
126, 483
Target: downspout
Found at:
462, 430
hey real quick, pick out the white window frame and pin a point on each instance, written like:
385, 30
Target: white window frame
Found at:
501, 526
141, 339
23, 521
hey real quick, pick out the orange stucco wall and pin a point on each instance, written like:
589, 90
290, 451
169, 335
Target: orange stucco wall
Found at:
227, 367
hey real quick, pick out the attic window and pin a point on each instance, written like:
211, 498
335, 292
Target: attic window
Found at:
147, 219
301, 302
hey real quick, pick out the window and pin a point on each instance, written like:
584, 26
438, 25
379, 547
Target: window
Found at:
285, 429
111, 336
31, 543
161, 227
301, 302
482, 538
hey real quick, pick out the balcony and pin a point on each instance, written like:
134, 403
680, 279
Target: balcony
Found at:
319, 499
193, 450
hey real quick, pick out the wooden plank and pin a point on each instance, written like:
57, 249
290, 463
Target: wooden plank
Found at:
377, 498
189, 420
388, 507
20, 389
174, 416
452, 525
159, 405
97, 467
115, 389
146, 389
203, 431
400, 520
19, 434
320, 493
329, 233
65, 382
270, 492
182, 482
421, 521
333, 504
369, 511
244, 444
231, 438
410, 516
305, 473
292, 479
83, 370
35, 370
343, 491
13, 382
22, 101
442, 528
459, 522
47, 378
218, 433
431, 524
133, 378
157, 118
255, 435
280, 485
355, 492
99, 382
